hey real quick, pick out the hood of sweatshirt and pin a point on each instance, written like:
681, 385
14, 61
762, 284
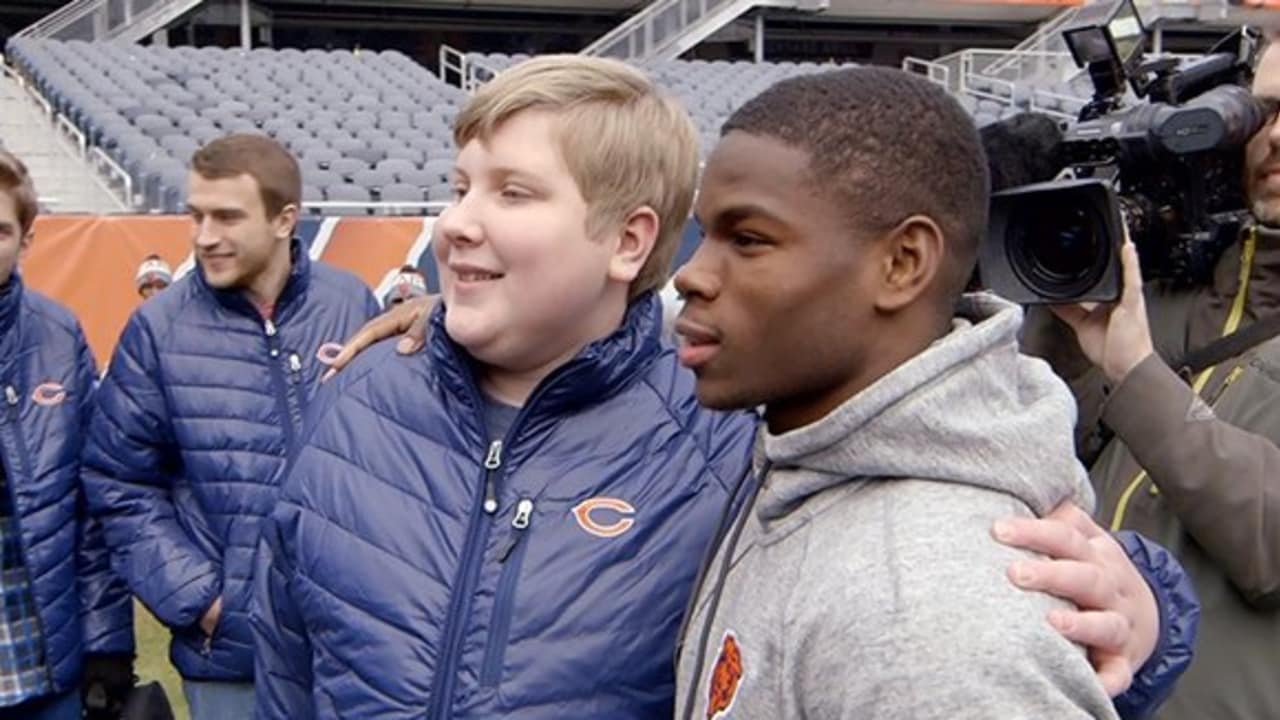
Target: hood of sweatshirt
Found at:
970, 409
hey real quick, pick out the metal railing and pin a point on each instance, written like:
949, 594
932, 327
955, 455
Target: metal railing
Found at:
935, 72
372, 207
123, 20
66, 143
634, 37
666, 28
69, 129
115, 174
1055, 104
50, 24
452, 65
463, 70
1046, 38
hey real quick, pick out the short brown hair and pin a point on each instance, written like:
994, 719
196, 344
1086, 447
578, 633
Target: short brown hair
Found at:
258, 156
16, 181
627, 144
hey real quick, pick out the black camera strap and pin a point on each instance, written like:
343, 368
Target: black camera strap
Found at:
1228, 346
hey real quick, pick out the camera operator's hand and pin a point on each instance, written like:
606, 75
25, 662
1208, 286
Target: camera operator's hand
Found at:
1114, 337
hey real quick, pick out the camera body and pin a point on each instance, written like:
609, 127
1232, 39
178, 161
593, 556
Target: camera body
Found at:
1169, 171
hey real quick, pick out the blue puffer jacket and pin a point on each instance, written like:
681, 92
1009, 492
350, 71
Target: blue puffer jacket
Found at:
48, 378
191, 427
563, 603
1179, 626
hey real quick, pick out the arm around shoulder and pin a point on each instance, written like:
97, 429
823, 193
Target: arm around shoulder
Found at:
938, 633
1179, 623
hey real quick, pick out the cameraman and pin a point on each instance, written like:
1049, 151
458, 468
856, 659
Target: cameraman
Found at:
1193, 462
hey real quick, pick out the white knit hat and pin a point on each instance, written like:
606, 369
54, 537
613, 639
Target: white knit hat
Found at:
153, 270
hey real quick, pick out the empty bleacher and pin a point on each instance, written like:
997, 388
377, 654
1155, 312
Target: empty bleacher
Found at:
361, 124
372, 130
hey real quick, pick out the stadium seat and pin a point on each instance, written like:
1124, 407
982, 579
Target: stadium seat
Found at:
347, 193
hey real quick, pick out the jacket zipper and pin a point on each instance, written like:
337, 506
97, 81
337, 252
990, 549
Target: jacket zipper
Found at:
13, 438
511, 556
291, 390
463, 588
286, 397
446, 671
492, 462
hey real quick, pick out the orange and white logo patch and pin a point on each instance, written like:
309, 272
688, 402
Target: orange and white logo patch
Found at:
328, 352
50, 393
593, 515
726, 678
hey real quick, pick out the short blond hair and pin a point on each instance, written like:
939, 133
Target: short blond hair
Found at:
626, 143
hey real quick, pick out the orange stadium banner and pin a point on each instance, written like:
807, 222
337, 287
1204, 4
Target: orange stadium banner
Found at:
88, 263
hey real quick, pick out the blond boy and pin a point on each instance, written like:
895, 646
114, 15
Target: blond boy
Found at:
508, 523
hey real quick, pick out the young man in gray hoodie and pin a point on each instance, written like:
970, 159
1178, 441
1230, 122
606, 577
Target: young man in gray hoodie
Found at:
842, 214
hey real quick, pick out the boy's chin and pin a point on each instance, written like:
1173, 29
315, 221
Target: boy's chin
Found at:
473, 334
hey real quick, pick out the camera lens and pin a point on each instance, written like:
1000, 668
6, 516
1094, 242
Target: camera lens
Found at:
1058, 250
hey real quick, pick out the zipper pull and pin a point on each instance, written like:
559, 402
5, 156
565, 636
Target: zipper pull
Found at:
295, 364
269, 327
524, 510
10, 395
208, 645
492, 462
519, 523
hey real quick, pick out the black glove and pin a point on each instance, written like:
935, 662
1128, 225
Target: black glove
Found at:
108, 678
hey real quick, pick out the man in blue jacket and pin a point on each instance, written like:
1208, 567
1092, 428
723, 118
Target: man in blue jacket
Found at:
510, 522
66, 621
202, 401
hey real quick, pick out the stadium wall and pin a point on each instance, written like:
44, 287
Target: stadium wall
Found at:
87, 263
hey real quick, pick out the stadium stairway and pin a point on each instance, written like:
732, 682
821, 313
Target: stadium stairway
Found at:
65, 181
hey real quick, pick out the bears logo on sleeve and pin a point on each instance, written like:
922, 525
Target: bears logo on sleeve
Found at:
726, 677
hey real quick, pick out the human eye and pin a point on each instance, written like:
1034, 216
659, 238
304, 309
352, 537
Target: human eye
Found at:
515, 192
748, 240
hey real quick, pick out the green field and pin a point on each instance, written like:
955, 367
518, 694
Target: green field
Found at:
153, 658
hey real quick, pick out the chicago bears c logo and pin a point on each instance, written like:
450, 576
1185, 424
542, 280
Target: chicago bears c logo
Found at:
726, 677
328, 352
584, 510
50, 393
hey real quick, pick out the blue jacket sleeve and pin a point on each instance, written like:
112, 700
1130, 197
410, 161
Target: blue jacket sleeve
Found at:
1179, 623
282, 657
129, 460
371, 306
106, 606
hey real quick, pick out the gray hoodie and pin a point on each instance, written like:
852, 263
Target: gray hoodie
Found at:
864, 582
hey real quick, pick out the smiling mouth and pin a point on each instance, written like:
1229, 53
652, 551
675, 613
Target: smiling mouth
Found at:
473, 277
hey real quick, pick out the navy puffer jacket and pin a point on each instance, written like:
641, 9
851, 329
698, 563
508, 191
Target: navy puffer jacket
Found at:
191, 428
386, 589
47, 373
